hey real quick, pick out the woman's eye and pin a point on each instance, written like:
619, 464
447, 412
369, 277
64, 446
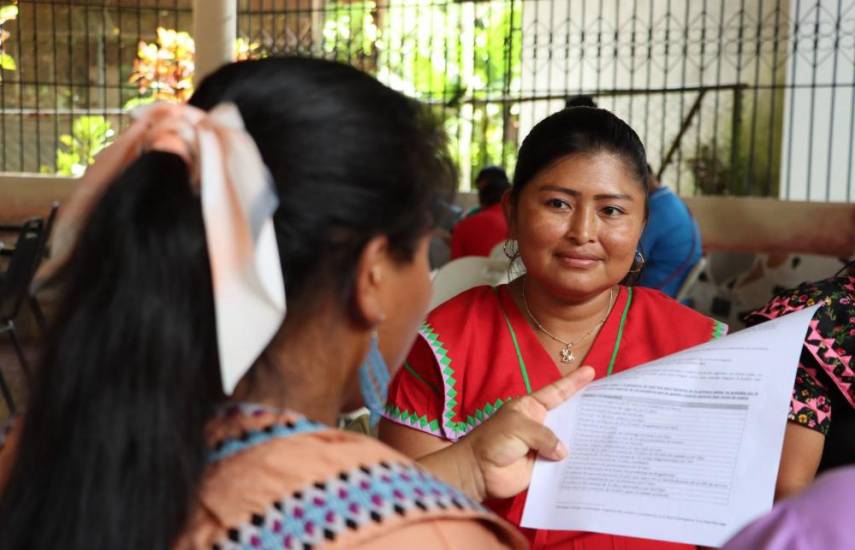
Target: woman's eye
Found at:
557, 203
612, 211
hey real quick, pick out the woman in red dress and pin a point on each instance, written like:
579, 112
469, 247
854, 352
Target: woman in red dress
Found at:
576, 211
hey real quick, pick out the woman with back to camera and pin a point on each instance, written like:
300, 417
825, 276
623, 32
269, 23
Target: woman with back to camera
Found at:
179, 404
576, 211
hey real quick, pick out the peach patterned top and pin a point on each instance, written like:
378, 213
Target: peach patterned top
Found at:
279, 480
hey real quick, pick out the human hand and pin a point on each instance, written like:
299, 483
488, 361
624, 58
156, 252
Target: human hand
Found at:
501, 451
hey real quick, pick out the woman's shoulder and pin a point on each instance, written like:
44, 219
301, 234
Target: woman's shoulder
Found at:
281, 477
660, 310
816, 518
837, 292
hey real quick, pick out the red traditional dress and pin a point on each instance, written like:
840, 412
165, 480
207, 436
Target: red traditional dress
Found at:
477, 350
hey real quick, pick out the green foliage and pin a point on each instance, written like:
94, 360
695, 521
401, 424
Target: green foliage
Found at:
7, 62
454, 56
8, 13
89, 134
747, 161
350, 34
137, 101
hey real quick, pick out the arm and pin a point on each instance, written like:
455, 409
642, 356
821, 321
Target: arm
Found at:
411, 442
450, 462
496, 459
446, 534
799, 459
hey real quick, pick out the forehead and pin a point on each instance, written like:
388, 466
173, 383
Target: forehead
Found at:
600, 172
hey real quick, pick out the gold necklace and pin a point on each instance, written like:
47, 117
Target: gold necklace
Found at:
566, 352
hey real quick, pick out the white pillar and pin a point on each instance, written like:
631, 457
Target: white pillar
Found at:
214, 31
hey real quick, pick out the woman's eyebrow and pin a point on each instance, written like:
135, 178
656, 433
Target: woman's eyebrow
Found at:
574, 193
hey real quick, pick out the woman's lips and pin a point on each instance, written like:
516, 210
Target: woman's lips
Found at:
578, 260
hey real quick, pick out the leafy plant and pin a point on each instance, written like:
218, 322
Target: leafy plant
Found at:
744, 162
247, 49
7, 62
350, 32
164, 69
452, 55
89, 134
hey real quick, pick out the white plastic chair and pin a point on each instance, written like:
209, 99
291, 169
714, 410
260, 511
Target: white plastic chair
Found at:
498, 252
464, 273
691, 279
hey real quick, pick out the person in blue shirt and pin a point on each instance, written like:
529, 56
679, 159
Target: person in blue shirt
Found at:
671, 242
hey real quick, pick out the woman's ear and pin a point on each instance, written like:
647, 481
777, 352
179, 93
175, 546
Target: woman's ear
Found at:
372, 270
509, 208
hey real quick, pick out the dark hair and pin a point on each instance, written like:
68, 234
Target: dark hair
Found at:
582, 130
491, 174
492, 182
491, 193
112, 447
351, 159
579, 130
580, 101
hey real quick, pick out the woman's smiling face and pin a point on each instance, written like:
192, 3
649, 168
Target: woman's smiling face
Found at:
578, 222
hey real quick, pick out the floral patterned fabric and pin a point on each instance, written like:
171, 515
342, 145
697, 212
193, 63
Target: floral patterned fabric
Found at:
826, 362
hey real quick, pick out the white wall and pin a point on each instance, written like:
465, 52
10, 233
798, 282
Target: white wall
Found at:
660, 44
819, 122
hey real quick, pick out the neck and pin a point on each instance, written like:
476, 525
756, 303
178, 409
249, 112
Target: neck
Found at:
565, 316
302, 372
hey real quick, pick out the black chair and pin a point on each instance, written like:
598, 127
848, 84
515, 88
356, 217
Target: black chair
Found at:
15, 290
36, 308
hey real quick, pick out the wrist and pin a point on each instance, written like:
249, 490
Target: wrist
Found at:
469, 469
458, 465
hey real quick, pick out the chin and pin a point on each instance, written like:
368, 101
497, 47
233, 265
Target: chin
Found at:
579, 287
578, 281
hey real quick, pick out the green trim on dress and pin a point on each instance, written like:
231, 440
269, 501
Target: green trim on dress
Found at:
719, 329
619, 336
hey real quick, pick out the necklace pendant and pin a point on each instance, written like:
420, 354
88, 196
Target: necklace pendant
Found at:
567, 354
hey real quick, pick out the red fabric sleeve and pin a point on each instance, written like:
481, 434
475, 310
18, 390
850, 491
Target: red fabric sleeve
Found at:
415, 396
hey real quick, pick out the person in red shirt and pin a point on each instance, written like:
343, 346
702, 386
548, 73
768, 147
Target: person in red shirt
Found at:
478, 233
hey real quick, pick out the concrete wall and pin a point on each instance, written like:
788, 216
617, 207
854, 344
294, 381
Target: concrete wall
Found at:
638, 50
819, 112
26, 195
753, 245
736, 224
749, 224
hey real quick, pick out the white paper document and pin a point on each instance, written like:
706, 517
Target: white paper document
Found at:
684, 449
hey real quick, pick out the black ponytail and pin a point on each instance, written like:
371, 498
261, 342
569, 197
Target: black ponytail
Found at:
112, 446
